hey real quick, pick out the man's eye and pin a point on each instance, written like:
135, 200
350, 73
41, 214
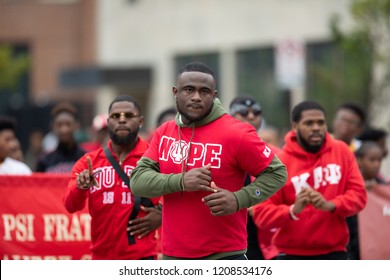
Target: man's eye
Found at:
130, 115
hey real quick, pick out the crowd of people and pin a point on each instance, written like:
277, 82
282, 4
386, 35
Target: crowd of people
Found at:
250, 193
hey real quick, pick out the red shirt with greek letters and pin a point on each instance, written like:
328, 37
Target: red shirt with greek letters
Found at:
110, 206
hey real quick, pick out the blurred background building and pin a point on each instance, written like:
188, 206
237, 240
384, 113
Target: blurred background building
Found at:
278, 51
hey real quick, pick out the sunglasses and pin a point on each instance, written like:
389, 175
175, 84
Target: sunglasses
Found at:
127, 115
244, 110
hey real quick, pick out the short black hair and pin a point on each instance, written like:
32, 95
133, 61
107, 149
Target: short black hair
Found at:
296, 113
355, 108
197, 67
64, 107
7, 122
126, 98
364, 147
372, 134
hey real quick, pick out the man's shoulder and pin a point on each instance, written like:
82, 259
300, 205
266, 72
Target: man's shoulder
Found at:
10, 161
92, 154
95, 153
227, 121
17, 166
336, 143
140, 148
338, 146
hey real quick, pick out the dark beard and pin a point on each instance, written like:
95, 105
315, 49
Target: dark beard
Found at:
306, 146
191, 119
130, 138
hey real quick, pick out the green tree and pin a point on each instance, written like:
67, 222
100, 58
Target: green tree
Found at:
372, 19
12, 68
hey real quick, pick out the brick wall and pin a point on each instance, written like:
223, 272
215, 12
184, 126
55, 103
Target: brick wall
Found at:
59, 35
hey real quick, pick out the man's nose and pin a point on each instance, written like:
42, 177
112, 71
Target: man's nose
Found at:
196, 95
122, 118
316, 126
251, 115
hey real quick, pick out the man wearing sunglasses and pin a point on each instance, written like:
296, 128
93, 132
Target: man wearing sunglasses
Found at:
117, 233
246, 109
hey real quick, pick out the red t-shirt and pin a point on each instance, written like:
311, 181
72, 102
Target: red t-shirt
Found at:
233, 149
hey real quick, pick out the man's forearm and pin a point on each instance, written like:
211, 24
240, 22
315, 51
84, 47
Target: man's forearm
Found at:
147, 181
266, 184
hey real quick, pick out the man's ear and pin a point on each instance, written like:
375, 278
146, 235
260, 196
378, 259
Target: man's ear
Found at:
174, 92
294, 126
141, 121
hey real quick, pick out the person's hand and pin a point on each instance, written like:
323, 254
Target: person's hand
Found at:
319, 202
222, 202
198, 179
143, 226
86, 178
301, 200
250, 211
370, 184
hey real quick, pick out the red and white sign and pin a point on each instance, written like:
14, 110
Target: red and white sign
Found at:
290, 64
34, 224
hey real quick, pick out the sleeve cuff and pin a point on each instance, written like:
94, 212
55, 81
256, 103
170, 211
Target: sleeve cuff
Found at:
292, 215
243, 199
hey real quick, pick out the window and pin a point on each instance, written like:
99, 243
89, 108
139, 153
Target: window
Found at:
14, 72
335, 76
256, 77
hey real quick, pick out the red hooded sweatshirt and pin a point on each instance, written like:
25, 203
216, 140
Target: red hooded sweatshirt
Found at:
334, 173
110, 205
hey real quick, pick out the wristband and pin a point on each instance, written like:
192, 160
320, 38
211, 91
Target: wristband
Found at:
292, 215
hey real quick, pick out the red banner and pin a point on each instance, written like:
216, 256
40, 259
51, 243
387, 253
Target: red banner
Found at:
34, 223
374, 225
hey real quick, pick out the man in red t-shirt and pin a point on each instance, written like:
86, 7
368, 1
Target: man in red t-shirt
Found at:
246, 109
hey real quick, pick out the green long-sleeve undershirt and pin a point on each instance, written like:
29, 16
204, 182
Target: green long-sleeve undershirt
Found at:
147, 181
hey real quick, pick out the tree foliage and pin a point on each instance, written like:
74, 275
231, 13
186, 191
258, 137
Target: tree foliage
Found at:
372, 18
12, 68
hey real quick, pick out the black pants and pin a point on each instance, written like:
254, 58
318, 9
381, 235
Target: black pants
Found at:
149, 258
330, 256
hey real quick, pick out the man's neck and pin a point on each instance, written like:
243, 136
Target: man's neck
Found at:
123, 150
